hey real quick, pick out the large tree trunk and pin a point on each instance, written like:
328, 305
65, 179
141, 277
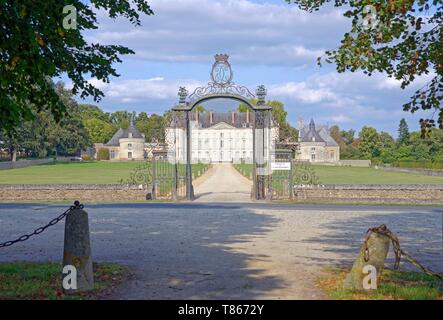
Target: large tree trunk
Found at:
378, 246
13, 154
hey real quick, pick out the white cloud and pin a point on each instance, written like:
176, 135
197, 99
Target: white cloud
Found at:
301, 91
193, 30
341, 118
142, 90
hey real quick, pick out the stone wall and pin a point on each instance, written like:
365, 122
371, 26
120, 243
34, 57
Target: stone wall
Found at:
355, 163
70, 192
428, 194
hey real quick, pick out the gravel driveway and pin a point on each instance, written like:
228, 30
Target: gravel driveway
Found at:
224, 251
222, 183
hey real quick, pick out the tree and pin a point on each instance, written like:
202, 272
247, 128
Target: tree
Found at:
386, 140
103, 154
199, 108
404, 41
35, 47
403, 132
287, 133
369, 142
335, 133
89, 111
243, 108
99, 131
69, 135
37, 137
121, 119
348, 136
153, 127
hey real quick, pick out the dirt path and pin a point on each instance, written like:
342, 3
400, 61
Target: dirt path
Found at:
223, 184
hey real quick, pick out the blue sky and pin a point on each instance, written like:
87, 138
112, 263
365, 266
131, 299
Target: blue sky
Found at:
270, 42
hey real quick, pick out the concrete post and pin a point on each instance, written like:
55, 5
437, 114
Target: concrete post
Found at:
378, 247
77, 248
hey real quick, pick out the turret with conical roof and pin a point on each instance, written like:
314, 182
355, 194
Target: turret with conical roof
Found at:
312, 135
130, 132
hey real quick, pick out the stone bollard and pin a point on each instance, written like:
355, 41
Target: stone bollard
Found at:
77, 249
378, 247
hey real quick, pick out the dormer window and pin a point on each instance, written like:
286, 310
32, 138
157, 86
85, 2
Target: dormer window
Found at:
313, 139
130, 135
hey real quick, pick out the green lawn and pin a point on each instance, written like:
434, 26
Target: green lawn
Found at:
112, 172
358, 175
102, 172
42, 281
393, 285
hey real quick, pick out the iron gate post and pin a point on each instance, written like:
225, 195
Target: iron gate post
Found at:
189, 187
254, 159
175, 183
154, 178
291, 182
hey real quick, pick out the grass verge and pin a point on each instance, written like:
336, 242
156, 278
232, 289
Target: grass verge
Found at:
393, 285
42, 281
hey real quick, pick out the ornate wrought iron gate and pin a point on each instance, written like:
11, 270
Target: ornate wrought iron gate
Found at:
221, 86
282, 186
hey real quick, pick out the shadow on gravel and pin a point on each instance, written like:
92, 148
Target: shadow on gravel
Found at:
177, 251
419, 232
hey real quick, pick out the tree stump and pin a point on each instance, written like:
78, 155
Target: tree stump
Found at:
378, 246
77, 249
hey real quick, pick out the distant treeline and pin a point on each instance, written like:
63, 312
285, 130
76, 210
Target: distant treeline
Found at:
409, 149
419, 164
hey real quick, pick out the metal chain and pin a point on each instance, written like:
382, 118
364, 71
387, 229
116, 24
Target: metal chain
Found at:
383, 230
54, 221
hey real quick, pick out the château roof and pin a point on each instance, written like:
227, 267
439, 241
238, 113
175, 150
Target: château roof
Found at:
124, 134
311, 134
322, 131
203, 119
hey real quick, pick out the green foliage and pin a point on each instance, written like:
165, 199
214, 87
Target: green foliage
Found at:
87, 157
419, 164
103, 154
152, 127
406, 43
393, 285
36, 48
38, 137
287, 133
383, 148
121, 119
42, 281
99, 131
89, 111
369, 145
199, 108
403, 132
243, 108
